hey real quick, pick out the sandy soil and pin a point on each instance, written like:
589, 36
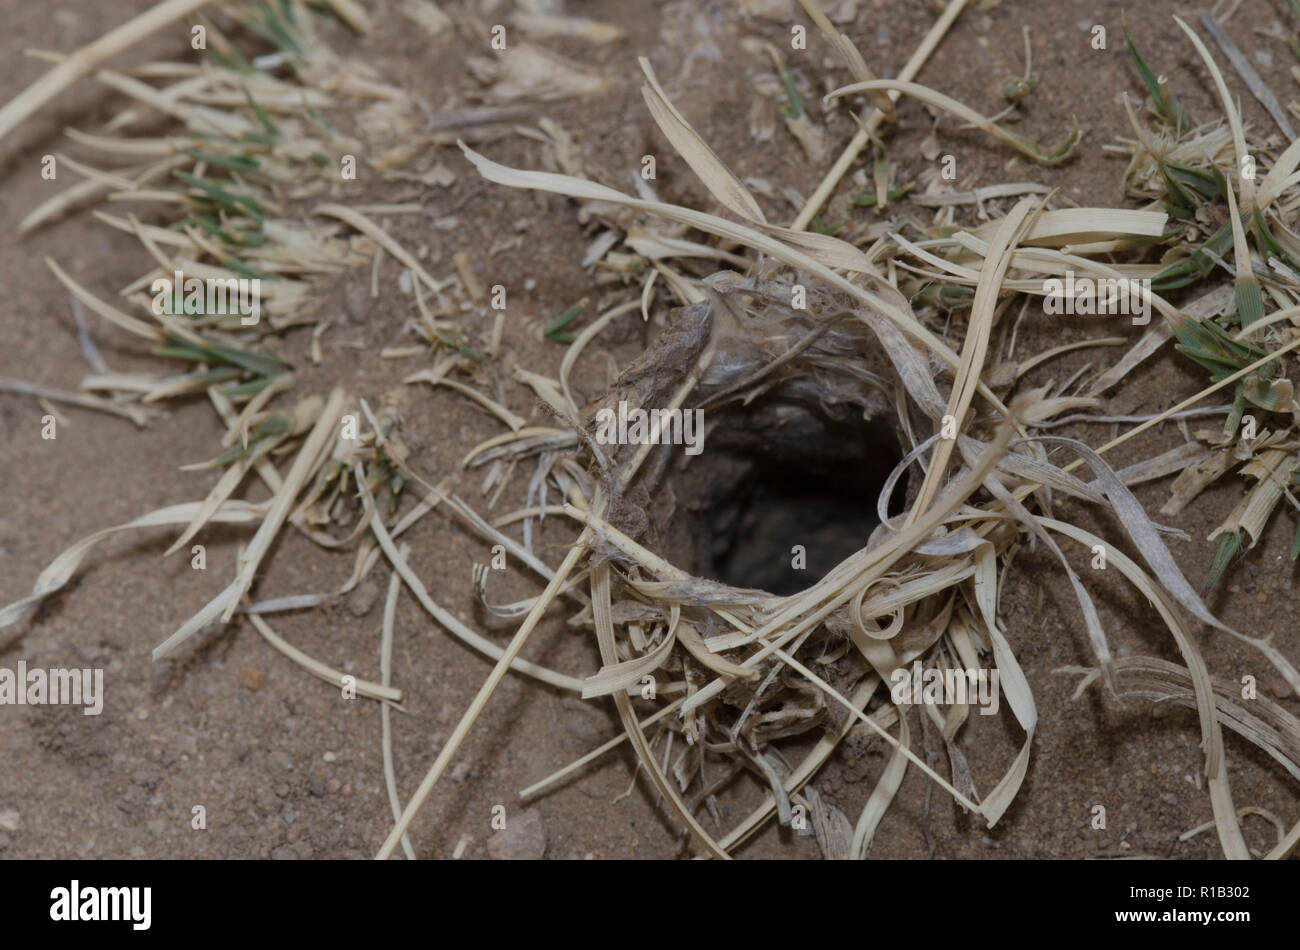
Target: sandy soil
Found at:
284, 767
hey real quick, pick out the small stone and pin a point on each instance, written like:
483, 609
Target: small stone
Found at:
132, 800
330, 757
523, 839
460, 771
316, 787
347, 790
9, 819
286, 852
333, 786
156, 826
362, 600
251, 679
356, 301
265, 800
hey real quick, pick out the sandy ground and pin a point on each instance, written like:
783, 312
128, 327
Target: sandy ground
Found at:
285, 767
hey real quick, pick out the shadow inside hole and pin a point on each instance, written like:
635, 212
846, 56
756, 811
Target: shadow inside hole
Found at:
792, 513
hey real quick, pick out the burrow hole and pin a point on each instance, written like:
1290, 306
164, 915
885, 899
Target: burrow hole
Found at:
757, 492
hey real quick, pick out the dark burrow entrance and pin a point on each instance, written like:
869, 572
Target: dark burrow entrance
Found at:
776, 509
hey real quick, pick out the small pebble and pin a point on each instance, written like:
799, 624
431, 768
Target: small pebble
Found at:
356, 301
523, 839
362, 600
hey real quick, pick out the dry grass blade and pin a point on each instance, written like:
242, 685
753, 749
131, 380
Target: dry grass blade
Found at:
367, 227
975, 348
1053, 156
605, 637
899, 744
225, 603
385, 713
86, 59
860, 139
60, 570
338, 680
724, 185
449, 620
596, 753
1258, 88
1234, 117
582, 189
18, 387
1211, 735
112, 314
480, 700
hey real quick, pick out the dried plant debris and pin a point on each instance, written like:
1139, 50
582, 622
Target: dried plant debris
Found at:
808, 345
528, 71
